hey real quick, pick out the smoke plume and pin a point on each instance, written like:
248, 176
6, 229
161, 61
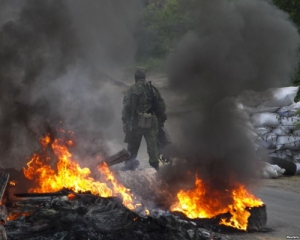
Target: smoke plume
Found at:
54, 57
235, 45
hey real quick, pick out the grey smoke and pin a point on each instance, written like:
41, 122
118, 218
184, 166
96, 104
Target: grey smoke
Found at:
53, 60
235, 45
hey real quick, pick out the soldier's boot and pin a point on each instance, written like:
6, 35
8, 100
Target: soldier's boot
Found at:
155, 165
130, 165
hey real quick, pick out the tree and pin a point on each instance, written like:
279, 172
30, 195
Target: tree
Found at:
161, 24
292, 7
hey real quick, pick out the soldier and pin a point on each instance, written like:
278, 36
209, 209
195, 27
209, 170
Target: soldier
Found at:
143, 114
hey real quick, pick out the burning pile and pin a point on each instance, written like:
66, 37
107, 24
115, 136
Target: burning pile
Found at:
203, 202
83, 206
69, 175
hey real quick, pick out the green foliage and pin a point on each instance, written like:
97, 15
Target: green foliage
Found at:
292, 7
161, 24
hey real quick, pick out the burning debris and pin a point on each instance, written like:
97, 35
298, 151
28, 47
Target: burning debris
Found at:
68, 202
68, 173
203, 202
87, 216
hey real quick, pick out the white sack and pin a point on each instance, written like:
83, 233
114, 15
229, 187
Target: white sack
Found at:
275, 97
296, 132
290, 122
289, 111
272, 171
298, 169
265, 120
268, 140
262, 130
279, 97
296, 158
260, 109
281, 154
288, 142
281, 130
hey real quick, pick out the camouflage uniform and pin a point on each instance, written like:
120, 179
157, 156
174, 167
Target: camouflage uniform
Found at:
143, 92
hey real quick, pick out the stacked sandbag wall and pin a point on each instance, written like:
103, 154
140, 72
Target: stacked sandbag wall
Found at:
273, 114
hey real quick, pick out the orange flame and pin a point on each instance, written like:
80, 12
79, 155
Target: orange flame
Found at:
15, 216
70, 175
202, 202
12, 183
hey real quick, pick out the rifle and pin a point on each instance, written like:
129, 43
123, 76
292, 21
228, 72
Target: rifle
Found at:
163, 138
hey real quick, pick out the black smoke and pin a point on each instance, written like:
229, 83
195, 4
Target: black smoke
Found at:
235, 45
54, 60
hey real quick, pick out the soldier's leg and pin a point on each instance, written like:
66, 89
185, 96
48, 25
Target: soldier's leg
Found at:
133, 148
134, 145
151, 140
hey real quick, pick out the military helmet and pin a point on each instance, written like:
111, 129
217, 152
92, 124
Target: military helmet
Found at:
140, 73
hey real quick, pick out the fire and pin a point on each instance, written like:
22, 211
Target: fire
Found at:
12, 183
202, 202
68, 174
15, 216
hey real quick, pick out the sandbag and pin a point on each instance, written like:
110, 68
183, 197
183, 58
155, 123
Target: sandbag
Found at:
290, 122
260, 109
265, 120
279, 97
289, 111
282, 130
272, 171
296, 132
275, 97
296, 158
298, 169
268, 140
262, 130
288, 142
281, 154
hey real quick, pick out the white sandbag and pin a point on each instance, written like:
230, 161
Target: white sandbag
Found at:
296, 158
289, 111
275, 97
259, 109
268, 140
296, 132
298, 169
288, 142
265, 120
279, 97
289, 153
290, 122
262, 130
281, 154
282, 130
272, 171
